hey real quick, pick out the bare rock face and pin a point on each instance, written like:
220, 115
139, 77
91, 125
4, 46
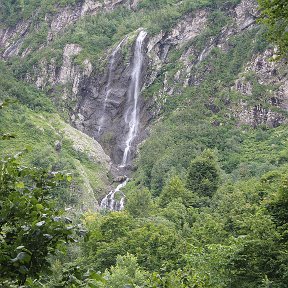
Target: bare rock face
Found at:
243, 86
187, 29
104, 100
246, 14
68, 76
160, 45
46, 74
12, 38
266, 72
257, 115
67, 72
192, 25
59, 21
90, 6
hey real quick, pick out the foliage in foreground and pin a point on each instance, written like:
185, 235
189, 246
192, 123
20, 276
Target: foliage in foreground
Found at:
31, 228
236, 237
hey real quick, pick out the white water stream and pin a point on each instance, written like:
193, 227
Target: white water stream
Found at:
132, 113
109, 202
131, 117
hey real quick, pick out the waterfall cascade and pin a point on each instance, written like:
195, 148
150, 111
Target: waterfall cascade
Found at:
109, 202
132, 113
131, 116
108, 88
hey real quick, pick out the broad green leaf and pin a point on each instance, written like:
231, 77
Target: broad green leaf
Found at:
20, 185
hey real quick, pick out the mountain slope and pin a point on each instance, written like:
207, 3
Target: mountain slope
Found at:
207, 202
54, 144
73, 67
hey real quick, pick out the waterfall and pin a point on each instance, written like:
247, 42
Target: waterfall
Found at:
108, 87
131, 116
110, 203
132, 113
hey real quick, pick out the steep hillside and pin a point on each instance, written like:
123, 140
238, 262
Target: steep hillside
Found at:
91, 52
32, 120
182, 97
205, 71
206, 77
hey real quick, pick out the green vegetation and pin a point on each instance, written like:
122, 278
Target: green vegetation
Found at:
31, 228
207, 206
204, 116
13, 11
98, 33
234, 238
203, 175
20, 91
30, 117
274, 14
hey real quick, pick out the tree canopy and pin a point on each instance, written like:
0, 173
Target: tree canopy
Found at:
274, 13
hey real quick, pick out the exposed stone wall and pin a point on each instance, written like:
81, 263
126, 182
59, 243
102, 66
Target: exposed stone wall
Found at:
87, 86
12, 38
91, 99
267, 72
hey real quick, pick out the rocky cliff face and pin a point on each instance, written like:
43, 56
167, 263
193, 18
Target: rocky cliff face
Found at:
86, 86
266, 72
12, 38
104, 100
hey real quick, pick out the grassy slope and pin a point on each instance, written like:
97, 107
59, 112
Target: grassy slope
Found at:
34, 122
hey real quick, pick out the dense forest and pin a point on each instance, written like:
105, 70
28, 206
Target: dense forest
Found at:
206, 204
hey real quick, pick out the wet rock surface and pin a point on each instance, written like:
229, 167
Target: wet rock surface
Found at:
99, 97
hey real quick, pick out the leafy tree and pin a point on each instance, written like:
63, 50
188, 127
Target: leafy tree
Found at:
155, 245
154, 242
203, 174
208, 265
274, 13
208, 229
279, 208
171, 279
105, 239
175, 212
261, 255
139, 203
126, 273
174, 189
31, 228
